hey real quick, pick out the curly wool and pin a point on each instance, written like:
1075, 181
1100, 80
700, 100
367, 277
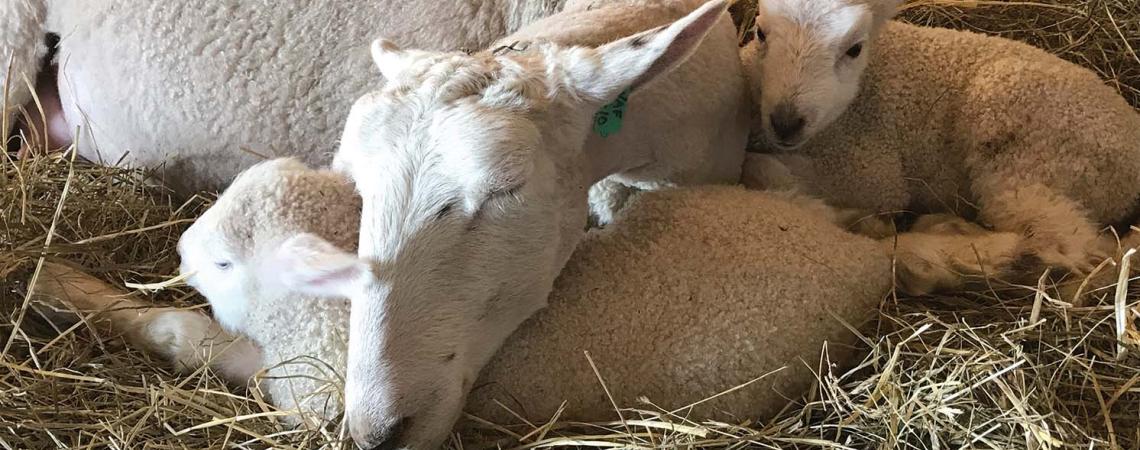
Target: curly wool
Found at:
689, 293
946, 115
183, 87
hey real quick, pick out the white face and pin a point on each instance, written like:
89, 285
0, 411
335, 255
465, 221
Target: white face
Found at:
464, 222
219, 272
811, 57
473, 176
223, 250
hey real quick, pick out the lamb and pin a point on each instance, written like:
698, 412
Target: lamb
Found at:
942, 121
756, 293
199, 91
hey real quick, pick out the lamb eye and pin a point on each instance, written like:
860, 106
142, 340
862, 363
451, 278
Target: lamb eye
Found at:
501, 193
760, 36
223, 265
855, 50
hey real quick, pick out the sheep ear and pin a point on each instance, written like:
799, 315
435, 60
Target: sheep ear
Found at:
389, 58
636, 60
309, 264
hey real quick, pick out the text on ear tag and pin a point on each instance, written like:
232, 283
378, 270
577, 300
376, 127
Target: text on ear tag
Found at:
608, 120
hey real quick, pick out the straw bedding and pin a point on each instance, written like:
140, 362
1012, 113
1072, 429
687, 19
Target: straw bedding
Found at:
1007, 367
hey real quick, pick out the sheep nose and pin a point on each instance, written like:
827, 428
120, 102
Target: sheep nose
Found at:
390, 438
787, 122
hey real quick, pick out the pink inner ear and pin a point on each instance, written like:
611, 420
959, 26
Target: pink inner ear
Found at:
310, 264
331, 279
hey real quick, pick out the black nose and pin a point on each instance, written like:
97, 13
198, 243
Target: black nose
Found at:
391, 438
786, 122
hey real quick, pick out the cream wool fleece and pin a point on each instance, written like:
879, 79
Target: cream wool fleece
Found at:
983, 127
689, 293
200, 90
946, 115
21, 48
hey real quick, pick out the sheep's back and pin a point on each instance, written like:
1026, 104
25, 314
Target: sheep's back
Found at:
189, 86
689, 293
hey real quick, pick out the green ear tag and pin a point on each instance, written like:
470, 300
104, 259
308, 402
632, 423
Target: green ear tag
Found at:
607, 120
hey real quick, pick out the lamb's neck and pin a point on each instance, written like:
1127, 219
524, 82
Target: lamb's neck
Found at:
602, 164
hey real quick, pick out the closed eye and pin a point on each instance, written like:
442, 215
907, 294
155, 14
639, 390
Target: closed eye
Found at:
502, 193
494, 195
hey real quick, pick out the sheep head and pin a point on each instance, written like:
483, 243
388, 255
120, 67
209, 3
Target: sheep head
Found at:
224, 252
808, 62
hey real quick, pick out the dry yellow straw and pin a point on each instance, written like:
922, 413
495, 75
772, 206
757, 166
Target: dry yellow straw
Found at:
1121, 303
179, 280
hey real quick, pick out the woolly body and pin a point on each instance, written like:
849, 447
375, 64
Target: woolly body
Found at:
199, 89
946, 120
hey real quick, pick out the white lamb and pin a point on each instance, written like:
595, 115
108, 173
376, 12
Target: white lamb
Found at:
200, 90
662, 314
942, 121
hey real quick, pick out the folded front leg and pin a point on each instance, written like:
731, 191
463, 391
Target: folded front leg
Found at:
188, 339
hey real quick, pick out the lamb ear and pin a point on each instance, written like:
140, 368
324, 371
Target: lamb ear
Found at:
389, 58
636, 60
309, 264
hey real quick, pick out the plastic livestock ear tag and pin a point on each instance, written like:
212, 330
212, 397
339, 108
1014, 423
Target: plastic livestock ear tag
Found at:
608, 120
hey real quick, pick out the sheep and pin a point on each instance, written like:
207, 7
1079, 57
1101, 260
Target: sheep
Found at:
882, 116
697, 127
198, 90
662, 315
474, 173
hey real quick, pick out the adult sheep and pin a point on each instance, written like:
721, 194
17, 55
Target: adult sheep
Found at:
884, 116
201, 89
187, 85
663, 315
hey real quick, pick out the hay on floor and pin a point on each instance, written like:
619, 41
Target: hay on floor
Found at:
1005, 368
